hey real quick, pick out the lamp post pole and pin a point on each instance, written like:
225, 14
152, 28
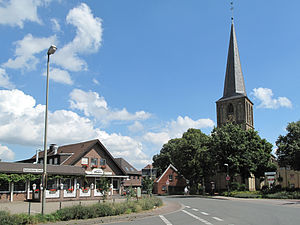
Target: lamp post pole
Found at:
227, 176
51, 51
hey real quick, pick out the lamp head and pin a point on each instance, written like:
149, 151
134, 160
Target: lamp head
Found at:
225, 164
51, 50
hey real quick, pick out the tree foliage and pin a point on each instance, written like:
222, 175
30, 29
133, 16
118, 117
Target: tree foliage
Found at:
189, 154
198, 156
244, 151
288, 151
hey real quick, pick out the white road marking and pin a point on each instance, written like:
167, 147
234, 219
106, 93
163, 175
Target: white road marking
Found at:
188, 206
204, 213
217, 218
197, 218
165, 220
195, 210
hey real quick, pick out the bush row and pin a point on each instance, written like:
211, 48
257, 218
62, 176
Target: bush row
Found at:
82, 212
262, 194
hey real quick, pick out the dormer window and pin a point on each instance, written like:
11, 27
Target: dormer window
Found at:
94, 162
102, 162
85, 161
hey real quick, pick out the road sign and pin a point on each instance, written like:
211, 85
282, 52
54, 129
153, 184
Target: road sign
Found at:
270, 173
167, 183
228, 178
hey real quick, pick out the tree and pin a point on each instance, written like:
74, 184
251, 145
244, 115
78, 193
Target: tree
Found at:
148, 185
189, 154
244, 151
288, 151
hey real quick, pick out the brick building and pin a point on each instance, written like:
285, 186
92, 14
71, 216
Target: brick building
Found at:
170, 182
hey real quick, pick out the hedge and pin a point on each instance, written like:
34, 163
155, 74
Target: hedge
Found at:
82, 212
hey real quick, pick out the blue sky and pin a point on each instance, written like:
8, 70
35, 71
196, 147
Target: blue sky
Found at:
136, 73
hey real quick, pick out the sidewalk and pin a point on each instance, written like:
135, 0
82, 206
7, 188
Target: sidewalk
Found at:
36, 207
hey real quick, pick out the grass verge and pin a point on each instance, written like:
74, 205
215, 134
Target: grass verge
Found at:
82, 212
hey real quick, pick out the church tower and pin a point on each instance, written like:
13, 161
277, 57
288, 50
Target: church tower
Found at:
234, 107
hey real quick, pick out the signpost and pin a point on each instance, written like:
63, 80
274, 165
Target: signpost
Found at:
270, 177
167, 183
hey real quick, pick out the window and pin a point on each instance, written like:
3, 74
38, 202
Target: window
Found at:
50, 161
19, 186
85, 161
68, 183
164, 188
4, 186
52, 184
170, 177
94, 162
102, 162
55, 161
115, 184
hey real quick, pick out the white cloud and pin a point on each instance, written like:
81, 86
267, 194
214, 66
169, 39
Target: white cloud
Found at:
265, 95
175, 129
124, 146
136, 126
4, 80
95, 81
26, 49
59, 76
87, 40
158, 139
22, 122
16, 12
94, 105
55, 25
182, 124
6, 153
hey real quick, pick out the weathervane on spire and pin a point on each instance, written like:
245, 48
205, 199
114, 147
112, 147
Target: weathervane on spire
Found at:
231, 8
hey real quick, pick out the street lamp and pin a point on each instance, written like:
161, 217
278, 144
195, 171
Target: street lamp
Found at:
51, 51
227, 176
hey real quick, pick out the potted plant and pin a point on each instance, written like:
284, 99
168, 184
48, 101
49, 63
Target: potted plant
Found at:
103, 166
70, 190
52, 191
85, 190
84, 165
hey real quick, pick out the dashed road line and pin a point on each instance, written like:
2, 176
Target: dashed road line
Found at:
188, 206
204, 213
217, 218
167, 222
195, 210
198, 218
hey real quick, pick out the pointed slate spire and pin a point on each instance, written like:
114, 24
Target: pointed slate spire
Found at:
234, 80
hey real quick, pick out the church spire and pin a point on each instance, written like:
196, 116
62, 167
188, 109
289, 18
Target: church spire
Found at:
234, 80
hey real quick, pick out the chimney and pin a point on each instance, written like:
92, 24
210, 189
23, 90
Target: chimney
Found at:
53, 148
37, 156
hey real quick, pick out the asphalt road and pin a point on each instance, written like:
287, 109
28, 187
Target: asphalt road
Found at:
222, 211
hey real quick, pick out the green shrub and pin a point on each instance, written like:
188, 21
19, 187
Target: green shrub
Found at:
82, 212
119, 209
234, 186
102, 210
6, 218
242, 187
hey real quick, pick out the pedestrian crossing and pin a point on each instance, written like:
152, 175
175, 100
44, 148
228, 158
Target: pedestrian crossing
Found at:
193, 214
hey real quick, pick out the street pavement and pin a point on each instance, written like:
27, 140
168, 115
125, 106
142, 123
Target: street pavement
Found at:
226, 211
